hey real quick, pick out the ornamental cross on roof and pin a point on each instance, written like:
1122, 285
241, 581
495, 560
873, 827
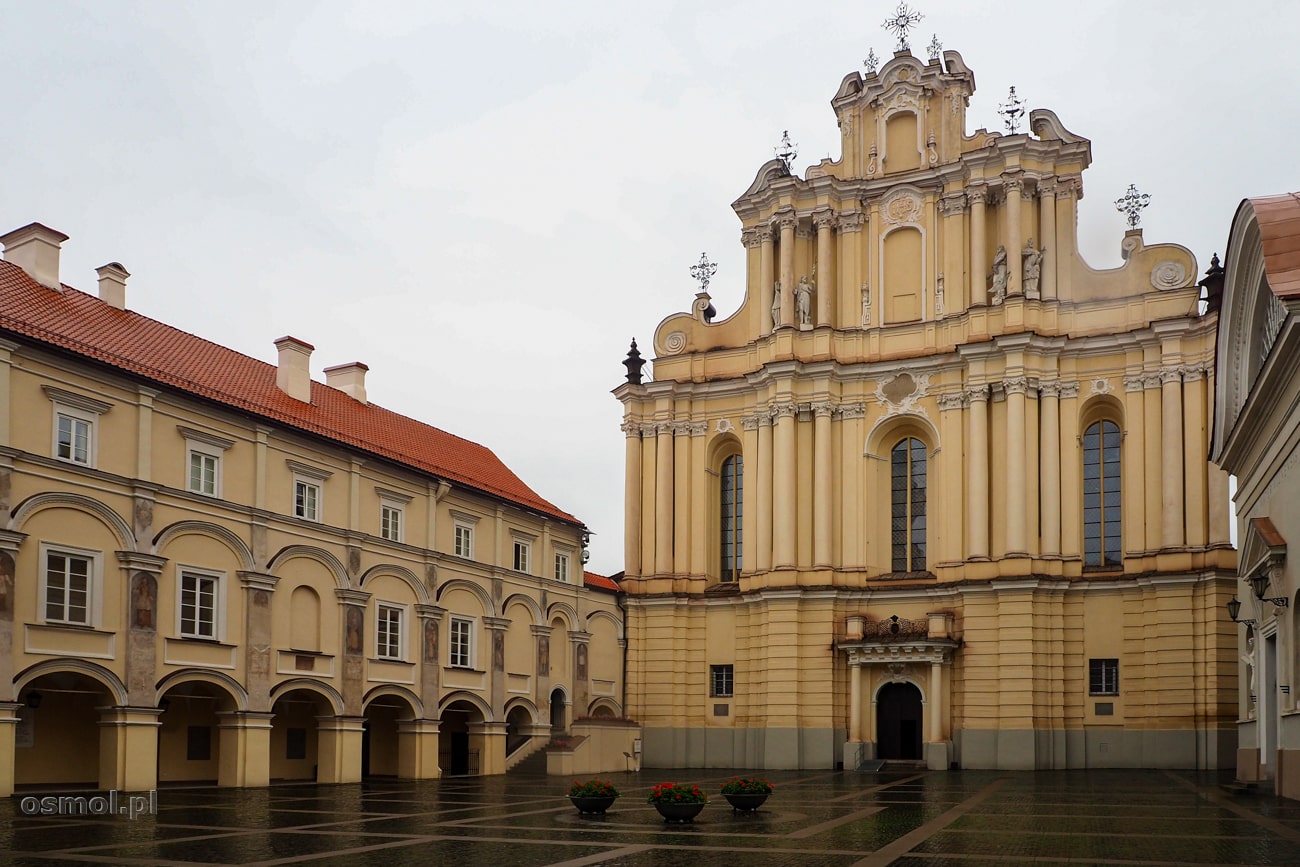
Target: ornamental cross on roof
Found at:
903, 20
872, 61
786, 151
703, 271
1011, 111
935, 48
1131, 205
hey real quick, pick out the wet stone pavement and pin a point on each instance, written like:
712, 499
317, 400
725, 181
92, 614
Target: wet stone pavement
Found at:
912, 818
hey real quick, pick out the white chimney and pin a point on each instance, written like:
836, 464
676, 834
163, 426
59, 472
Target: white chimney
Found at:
35, 249
293, 374
348, 378
112, 284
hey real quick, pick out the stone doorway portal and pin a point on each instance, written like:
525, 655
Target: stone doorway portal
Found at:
898, 722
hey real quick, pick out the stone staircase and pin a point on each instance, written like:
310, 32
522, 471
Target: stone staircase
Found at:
528, 759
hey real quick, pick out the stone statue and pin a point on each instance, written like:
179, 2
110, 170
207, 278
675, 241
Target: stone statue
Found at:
1033, 267
866, 304
999, 290
938, 297
776, 306
803, 300
1249, 658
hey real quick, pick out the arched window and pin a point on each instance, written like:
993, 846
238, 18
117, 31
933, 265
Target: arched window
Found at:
1101, 491
907, 490
731, 526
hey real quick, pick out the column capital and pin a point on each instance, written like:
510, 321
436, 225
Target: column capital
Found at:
977, 193
823, 409
10, 540
853, 410
1069, 187
1170, 374
1013, 182
1049, 389
1016, 385
763, 233
1047, 188
1069, 390
648, 430
429, 612
750, 238
952, 204
663, 427
141, 562
359, 598
1135, 382
540, 631
949, 401
257, 581
1192, 372
785, 219
496, 624
975, 393
852, 221
784, 410
681, 428
823, 218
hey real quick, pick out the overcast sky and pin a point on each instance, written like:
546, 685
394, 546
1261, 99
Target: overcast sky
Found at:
485, 202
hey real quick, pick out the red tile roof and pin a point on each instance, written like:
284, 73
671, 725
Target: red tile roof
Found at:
83, 325
600, 582
1279, 230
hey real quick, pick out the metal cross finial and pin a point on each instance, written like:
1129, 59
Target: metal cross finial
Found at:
935, 47
1131, 205
704, 271
1011, 111
786, 151
903, 20
872, 61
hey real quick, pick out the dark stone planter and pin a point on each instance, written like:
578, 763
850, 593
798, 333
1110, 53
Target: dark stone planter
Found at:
595, 806
745, 802
674, 812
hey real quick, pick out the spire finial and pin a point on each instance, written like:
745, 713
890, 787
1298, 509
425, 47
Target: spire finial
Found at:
634, 362
786, 151
1131, 205
703, 271
1011, 111
902, 21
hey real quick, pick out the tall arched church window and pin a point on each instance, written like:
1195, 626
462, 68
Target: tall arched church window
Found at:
732, 525
1101, 494
907, 491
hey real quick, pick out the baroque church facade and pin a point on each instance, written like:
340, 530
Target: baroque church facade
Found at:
217, 570
938, 490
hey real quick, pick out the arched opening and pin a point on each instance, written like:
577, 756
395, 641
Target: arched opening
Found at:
518, 721
456, 754
58, 735
907, 462
898, 722
294, 737
189, 741
558, 716
731, 486
559, 651
381, 755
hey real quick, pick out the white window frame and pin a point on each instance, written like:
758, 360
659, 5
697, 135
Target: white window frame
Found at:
563, 558
312, 477
396, 649
307, 485
392, 521
521, 544
204, 445
463, 523
465, 658
77, 408
218, 580
94, 580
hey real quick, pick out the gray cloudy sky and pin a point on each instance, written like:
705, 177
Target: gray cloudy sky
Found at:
485, 202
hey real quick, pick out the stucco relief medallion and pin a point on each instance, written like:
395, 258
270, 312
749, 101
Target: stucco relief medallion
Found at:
903, 206
1169, 275
675, 343
902, 393
725, 426
1102, 386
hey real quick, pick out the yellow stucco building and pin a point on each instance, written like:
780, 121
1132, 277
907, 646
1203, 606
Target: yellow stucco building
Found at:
938, 490
216, 569
1257, 439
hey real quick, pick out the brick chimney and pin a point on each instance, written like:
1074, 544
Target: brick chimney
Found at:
112, 284
293, 372
35, 249
348, 378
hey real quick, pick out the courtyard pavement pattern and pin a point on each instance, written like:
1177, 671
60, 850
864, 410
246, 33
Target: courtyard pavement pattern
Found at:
912, 818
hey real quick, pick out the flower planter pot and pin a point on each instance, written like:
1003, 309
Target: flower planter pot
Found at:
593, 805
678, 812
745, 802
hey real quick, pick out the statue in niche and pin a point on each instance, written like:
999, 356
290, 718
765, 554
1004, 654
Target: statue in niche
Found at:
803, 300
1249, 658
145, 600
776, 305
1033, 267
938, 297
866, 304
999, 290
431, 641
353, 618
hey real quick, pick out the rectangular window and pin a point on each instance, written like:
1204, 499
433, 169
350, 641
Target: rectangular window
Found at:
522, 550
198, 617
461, 654
722, 681
1103, 677
388, 631
306, 499
198, 744
390, 522
73, 439
562, 568
203, 473
68, 582
464, 541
